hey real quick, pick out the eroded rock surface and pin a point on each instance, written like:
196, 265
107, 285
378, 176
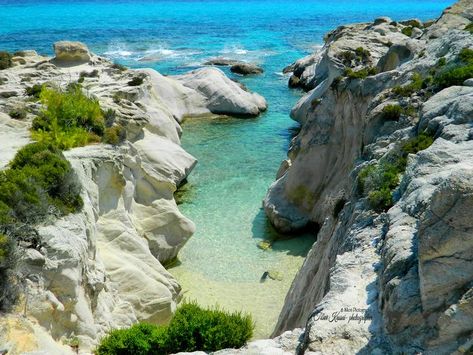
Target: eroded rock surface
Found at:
102, 268
404, 276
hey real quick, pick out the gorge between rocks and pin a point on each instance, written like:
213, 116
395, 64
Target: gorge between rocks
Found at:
238, 158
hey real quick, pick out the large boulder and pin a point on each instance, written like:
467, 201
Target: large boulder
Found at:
67, 51
246, 69
224, 95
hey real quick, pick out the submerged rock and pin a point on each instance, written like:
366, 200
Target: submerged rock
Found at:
246, 69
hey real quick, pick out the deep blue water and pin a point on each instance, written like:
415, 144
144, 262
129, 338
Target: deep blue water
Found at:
238, 159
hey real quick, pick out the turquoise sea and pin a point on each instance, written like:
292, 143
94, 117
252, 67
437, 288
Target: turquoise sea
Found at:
238, 159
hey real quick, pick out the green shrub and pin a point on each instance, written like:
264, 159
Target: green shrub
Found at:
466, 56
194, 328
93, 74
391, 112
362, 54
377, 182
456, 73
69, 119
18, 113
119, 67
140, 339
414, 86
454, 76
347, 57
109, 116
469, 27
65, 140
41, 169
114, 135
136, 81
407, 31
8, 280
38, 177
34, 91
418, 143
5, 60
191, 329
442, 62
360, 74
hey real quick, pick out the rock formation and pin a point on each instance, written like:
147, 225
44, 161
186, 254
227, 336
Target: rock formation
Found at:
396, 280
101, 268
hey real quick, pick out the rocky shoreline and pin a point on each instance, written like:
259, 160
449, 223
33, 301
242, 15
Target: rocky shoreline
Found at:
101, 268
380, 169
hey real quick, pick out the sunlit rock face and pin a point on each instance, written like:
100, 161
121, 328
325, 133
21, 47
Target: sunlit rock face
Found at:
102, 268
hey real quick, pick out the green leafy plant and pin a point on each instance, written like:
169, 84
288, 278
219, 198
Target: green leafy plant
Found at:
34, 91
391, 112
5, 60
114, 135
360, 74
192, 328
119, 67
407, 31
68, 119
414, 86
377, 182
456, 73
18, 113
469, 27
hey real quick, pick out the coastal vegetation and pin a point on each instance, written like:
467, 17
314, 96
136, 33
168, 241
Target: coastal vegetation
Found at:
457, 72
5, 60
377, 182
191, 329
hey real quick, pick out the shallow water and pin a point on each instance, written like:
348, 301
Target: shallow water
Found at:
238, 159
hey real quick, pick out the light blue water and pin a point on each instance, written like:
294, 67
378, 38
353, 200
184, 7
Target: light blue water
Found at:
238, 159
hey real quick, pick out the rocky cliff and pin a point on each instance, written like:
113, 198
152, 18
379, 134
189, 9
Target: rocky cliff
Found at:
102, 268
382, 169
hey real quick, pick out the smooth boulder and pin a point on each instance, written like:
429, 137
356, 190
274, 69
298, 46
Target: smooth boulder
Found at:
246, 69
223, 95
67, 51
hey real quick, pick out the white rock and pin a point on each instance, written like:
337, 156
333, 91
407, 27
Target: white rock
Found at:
224, 96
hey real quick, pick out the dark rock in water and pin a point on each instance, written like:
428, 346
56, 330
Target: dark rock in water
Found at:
264, 276
294, 81
289, 68
222, 62
246, 69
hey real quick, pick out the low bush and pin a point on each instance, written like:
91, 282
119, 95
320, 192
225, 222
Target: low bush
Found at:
360, 74
377, 182
119, 67
68, 119
8, 284
5, 60
136, 81
18, 113
34, 91
456, 73
391, 112
362, 54
114, 135
414, 86
469, 27
407, 31
191, 329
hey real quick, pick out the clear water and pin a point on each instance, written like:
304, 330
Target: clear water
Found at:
238, 159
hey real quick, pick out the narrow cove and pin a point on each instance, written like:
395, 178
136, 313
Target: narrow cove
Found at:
238, 159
